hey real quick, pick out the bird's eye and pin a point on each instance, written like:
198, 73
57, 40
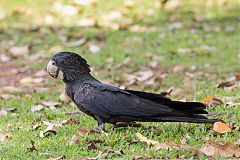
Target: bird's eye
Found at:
53, 63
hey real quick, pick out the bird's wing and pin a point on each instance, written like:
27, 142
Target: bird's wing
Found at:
105, 101
190, 107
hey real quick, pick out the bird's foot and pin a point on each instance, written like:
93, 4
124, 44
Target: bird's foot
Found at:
127, 124
99, 129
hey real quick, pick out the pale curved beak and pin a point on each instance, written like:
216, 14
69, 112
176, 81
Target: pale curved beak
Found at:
54, 71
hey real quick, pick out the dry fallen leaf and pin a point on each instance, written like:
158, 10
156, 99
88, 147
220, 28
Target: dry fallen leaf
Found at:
50, 129
87, 22
210, 101
175, 26
93, 146
4, 58
71, 121
136, 157
225, 84
84, 2
37, 108
179, 68
145, 139
144, 75
3, 112
41, 73
51, 105
10, 89
19, 51
82, 131
77, 43
215, 149
221, 127
101, 155
74, 140
63, 10
35, 127
9, 96
4, 137
112, 16
94, 49
30, 80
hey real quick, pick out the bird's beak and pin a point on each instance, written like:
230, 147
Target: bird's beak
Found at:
54, 71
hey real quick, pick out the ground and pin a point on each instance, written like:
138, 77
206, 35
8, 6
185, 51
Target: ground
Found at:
191, 48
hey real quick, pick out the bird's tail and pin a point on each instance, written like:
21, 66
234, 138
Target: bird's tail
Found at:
192, 119
185, 111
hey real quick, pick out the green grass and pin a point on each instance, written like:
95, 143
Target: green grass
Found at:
223, 63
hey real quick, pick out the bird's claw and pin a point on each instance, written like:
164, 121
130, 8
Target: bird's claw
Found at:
98, 129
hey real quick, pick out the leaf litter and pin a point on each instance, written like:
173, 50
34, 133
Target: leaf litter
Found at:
212, 148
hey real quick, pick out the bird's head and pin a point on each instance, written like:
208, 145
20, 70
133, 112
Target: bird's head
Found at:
67, 66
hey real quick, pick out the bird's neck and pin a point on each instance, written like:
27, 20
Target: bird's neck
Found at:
72, 86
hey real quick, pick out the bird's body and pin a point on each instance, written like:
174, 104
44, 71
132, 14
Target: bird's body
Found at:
110, 104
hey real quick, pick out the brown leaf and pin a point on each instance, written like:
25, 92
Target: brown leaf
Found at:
136, 157
215, 149
137, 28
92, 146
87, 22
179, 68
71, 121
171, 145
74, 140
37, 108
30, 80
167, 93
4, 58
101, 154
78, 43
145, 139
51, 105
50, 129
82, 131
8, 96
144, 75
4, 137
3, 113
94, 49
64, 10
210, 101
112, 16
237, 77
119, 152
41, 73
225, 84
10, 89
221, 127
167, 146
19, 51
84, 2
35, 127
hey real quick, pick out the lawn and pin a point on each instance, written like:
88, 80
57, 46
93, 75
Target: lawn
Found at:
190, 47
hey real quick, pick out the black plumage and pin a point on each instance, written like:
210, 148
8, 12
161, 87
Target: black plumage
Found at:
111, 104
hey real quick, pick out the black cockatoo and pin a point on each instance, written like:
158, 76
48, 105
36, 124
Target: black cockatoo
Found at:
110, 104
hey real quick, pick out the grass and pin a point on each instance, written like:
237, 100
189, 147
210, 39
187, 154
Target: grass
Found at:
223, 63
